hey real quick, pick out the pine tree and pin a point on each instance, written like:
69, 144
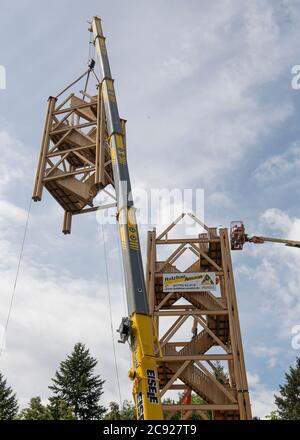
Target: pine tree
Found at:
8, 401
36, 411
288, 402
127, 412
60, 410
272, 416
76, 384
220, 374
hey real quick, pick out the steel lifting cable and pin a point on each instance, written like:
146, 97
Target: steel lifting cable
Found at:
110, 316
91, 50
73, 83
16, 277
90, 63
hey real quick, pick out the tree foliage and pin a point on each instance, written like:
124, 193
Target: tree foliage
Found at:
220, 374
37, 411
76, 384
272, 416
8, 401
127, 412
288, 402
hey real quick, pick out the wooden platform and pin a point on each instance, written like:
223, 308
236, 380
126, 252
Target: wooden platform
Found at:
75, 160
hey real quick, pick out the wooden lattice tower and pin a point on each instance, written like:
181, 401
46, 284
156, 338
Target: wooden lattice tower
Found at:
190, 363
75, 158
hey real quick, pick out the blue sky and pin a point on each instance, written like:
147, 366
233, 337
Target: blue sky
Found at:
206, 89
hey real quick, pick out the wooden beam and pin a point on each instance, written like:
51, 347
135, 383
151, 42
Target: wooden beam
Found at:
171, 226
100, 149
198, 221
174, 377
207, 258
213, 335
190, 312
187, 240
197, 357
165, 299
41, 168
200, 407
217, 383
171, 332
53, 153
70, 173
59, 111
74, 127
169, 259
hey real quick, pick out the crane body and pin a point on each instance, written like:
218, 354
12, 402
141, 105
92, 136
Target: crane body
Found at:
138, 328
91, 155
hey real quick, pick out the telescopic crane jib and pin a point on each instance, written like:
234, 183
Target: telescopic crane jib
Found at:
84, 150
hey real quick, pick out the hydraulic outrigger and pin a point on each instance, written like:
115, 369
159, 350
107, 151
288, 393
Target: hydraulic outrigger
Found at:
101, 162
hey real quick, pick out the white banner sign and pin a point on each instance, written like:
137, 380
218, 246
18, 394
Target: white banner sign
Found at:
189, 282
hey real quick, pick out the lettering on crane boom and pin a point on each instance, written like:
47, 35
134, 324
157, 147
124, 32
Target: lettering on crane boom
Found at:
120, 149
110, 90
133, 236
151, 394
140, 406
152, 388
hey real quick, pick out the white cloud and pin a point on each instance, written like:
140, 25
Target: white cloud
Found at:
262, 401
279, 166
276, 273
212, 83
277, 219
262, 398
12, 162
270, 353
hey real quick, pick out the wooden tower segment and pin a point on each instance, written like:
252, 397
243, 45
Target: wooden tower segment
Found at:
190, 363
75, 160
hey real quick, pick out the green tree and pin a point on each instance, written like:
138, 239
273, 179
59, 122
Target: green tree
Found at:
77, 385
196, 400
171, 415
36, 411
60, 410
220, 374
8, 401
194, 415
272, 416
127, 412
288, 402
